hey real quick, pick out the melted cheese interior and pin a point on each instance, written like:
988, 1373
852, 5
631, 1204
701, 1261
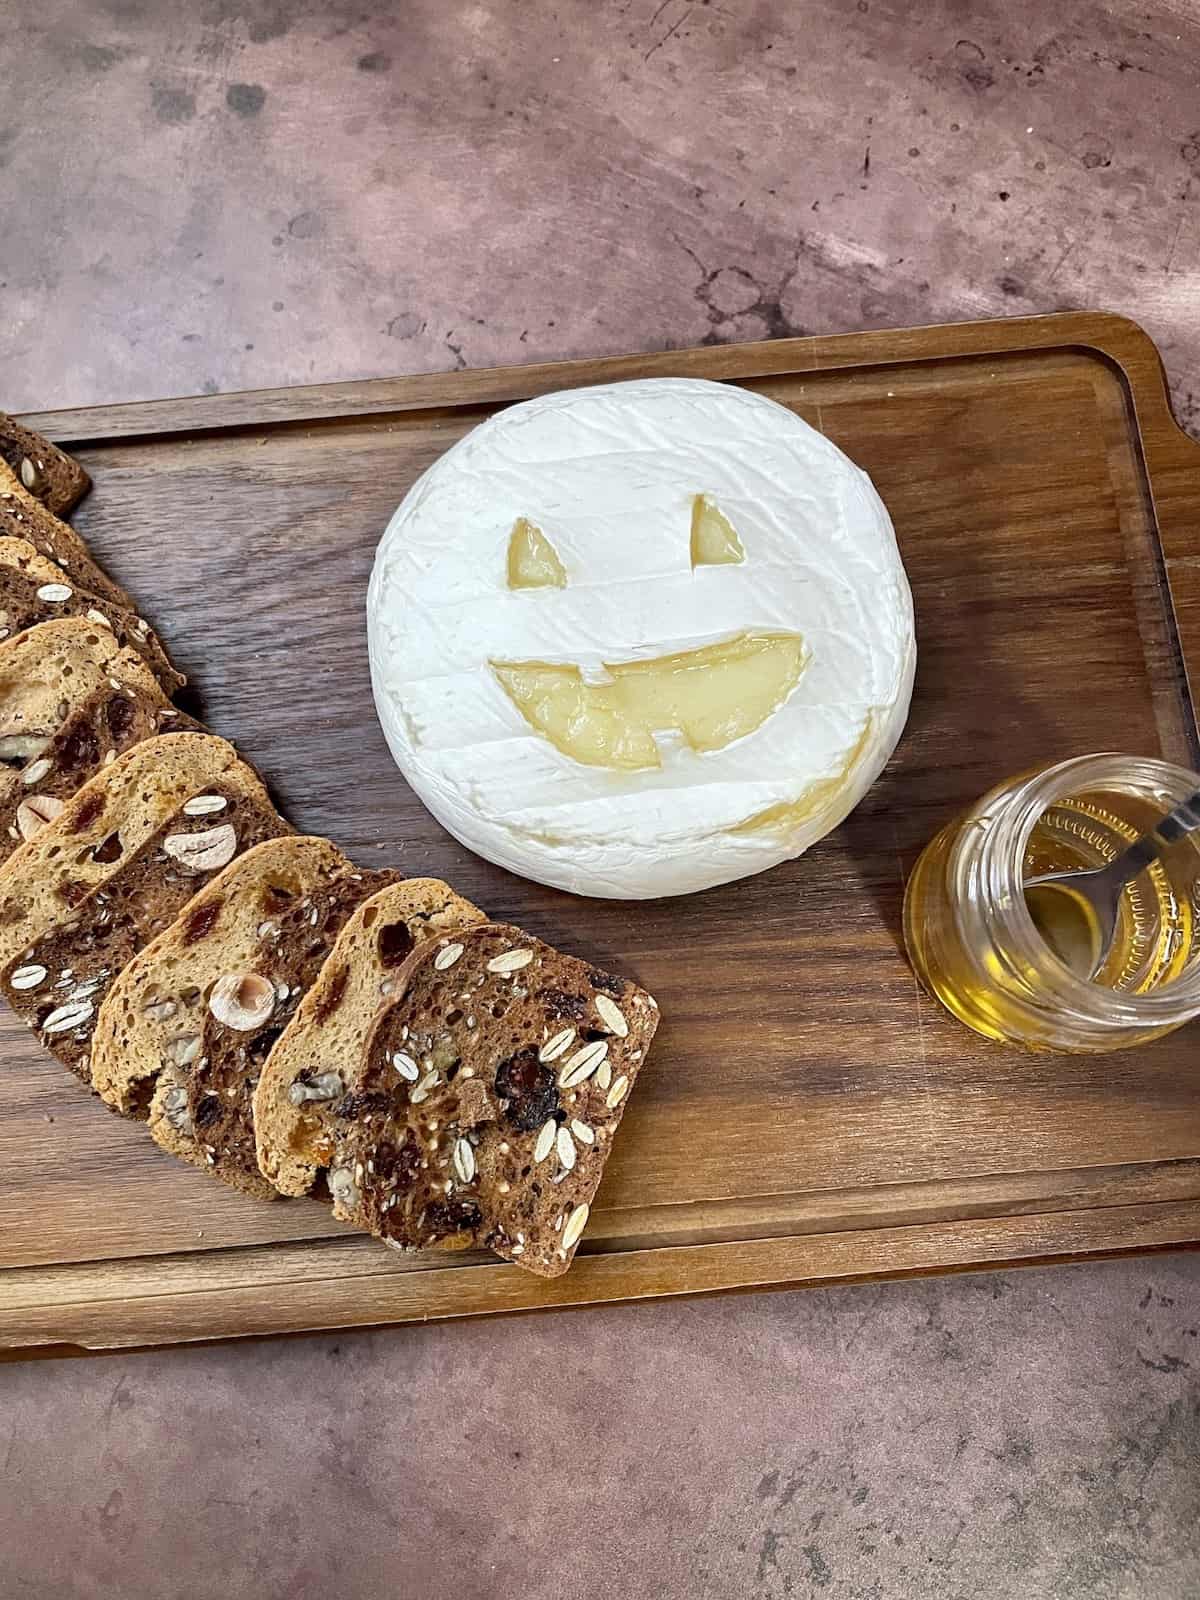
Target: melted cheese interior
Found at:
714, 538
532, 560
810, 802
709, 697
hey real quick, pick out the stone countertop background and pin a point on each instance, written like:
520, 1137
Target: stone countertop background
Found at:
219, 195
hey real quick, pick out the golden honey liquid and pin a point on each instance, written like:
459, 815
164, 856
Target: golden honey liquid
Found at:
1156, 922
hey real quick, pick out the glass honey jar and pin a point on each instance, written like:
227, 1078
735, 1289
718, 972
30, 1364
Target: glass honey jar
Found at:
974, 943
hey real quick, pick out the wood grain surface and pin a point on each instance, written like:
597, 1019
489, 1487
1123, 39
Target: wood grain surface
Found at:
806, 1112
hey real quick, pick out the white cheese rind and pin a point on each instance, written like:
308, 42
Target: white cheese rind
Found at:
609, 474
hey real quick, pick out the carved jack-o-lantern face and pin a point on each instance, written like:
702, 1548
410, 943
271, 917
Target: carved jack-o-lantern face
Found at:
707, 697
641, 639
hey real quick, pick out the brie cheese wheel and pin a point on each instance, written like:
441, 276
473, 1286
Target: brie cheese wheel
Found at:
640, 639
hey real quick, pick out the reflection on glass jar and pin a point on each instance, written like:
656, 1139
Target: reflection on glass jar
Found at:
975, 945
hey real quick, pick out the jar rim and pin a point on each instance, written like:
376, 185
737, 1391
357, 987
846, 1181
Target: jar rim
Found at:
1002, 861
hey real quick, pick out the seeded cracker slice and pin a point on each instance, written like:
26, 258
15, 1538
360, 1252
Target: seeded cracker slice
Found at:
24, 517
194, 1016
211, 1102
71, 700
117, 866
35, 589
488, 1097
48, 473
305, 1073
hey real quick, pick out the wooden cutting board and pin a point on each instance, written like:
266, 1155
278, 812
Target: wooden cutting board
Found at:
807, 1113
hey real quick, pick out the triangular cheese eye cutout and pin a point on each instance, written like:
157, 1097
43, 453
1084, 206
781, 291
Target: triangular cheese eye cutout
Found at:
532, 560
714, 541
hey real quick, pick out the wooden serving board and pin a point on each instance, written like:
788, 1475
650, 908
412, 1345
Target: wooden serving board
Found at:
806, 1113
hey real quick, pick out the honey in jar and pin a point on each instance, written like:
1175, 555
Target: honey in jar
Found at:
989, 955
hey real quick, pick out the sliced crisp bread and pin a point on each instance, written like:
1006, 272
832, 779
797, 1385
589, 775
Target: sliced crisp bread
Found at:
488, 1097
24, 517
48, 473
288, 952
71, 700
34, 589
113, 869
195, 1015
294, 1125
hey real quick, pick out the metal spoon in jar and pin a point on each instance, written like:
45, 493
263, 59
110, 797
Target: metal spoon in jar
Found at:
1076, 912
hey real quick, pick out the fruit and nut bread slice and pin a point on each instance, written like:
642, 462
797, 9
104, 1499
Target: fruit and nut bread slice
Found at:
22, 516
488, 1097
305, 1074
35, 589
193, 1017
71, 701
48, 473
114, 868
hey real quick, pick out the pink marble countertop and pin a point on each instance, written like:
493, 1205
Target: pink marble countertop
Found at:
232, 195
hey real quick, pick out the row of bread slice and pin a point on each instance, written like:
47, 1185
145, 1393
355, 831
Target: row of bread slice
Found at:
279, 1017
39, 484
82, 676
284, 1020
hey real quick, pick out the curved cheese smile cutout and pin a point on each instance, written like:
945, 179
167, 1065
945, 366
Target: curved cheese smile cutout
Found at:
707, 697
